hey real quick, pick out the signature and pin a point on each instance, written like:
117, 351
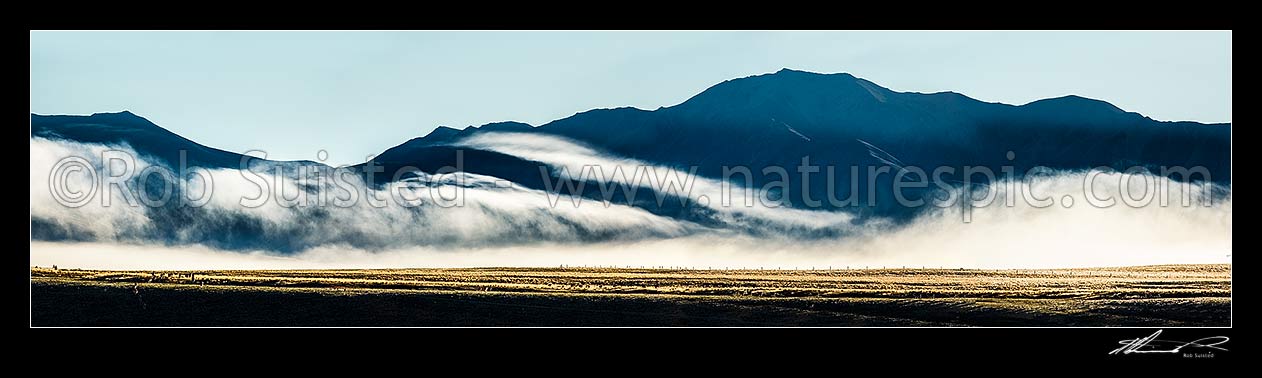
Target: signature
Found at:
1152, 344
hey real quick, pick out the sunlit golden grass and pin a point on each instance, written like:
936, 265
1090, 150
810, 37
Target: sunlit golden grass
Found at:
1173, 294
1129, 282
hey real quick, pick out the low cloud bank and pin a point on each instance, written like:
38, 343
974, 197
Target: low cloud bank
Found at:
508, 225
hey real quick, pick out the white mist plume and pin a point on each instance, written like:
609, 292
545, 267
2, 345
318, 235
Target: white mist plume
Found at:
514, 226
488, 214
582, 162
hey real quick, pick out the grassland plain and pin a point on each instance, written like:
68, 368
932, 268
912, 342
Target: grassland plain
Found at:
1167, 295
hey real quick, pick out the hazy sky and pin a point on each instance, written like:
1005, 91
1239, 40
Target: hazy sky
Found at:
357, 93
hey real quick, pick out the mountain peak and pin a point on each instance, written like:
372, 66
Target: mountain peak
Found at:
1078, 102
445, 134
441, 132
790, 71
125, 117
124, 113
790, 81
504, 126
122, 118
793, 72
786, 91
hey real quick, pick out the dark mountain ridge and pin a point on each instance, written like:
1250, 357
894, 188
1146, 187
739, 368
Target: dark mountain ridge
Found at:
776, 120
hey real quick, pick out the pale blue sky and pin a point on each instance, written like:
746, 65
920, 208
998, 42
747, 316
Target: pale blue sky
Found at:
358, 93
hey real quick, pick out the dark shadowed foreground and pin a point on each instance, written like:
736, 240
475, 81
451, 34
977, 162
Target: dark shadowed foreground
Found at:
1173, 295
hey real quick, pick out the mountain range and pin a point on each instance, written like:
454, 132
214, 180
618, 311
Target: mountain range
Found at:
775, 120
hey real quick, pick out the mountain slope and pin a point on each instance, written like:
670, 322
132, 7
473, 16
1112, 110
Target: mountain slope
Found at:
779, 119
142, 135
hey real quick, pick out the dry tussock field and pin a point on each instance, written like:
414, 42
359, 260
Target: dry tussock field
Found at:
1168, 295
